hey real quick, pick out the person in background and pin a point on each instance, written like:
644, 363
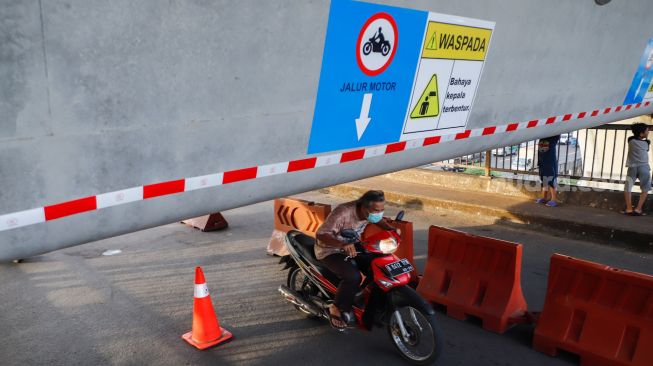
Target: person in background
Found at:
547, 164
638, 168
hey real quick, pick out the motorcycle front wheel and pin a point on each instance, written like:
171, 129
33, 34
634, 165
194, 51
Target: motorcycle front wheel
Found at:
415, 333
367, 48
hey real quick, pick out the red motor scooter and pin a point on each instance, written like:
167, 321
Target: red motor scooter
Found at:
386, 300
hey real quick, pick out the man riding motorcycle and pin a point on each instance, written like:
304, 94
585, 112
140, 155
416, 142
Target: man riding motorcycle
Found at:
379, 37
337, 252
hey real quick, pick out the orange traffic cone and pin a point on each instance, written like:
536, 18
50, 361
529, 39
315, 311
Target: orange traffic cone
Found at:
206, 328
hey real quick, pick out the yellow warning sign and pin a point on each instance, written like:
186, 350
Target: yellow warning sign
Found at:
650, 88
456, 42
428, 104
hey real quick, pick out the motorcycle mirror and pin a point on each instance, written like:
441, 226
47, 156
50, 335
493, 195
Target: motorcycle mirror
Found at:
348, 233
400, 215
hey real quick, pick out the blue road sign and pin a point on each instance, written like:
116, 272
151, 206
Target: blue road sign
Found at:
368, 68
643, 76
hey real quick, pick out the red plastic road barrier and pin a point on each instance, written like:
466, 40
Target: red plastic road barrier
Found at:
406, 248
295, 214
602, 314
474, 275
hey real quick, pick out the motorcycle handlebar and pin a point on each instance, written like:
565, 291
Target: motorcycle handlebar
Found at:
350, 257
359, 248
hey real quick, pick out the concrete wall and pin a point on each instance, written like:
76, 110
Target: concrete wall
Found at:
102, 95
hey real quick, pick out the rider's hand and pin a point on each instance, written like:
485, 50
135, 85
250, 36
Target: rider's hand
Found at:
350, 250
385, 223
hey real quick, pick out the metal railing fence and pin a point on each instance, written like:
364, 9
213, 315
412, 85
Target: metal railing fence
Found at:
593, 154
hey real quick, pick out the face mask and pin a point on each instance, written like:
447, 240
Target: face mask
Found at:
375, 217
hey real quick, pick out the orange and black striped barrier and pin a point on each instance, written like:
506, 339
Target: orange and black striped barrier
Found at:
295, 214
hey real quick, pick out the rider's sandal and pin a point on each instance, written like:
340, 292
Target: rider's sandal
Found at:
333, 319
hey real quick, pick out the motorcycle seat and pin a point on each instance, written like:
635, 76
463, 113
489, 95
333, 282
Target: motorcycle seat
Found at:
305, 244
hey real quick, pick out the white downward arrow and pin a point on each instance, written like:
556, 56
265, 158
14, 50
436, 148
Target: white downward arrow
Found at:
364, 119
641, 83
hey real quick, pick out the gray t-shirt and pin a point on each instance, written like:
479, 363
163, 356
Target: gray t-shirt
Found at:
637, 152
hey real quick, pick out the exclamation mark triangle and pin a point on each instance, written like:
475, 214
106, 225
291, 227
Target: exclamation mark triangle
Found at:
432, 45
428, 104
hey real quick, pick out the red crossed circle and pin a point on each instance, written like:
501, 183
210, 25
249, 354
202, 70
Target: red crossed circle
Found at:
392, 22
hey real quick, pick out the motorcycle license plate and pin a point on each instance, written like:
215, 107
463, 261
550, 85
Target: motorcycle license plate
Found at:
399, 267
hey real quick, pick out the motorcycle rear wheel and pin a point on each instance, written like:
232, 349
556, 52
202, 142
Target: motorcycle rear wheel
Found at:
297, 281
385, 49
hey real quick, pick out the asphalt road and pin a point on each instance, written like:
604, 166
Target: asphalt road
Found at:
77, 307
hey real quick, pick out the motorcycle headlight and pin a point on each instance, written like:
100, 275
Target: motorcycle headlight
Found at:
387, 246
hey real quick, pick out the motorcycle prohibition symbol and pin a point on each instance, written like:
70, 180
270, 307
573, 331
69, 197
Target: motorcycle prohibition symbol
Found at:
377, 43
385, 301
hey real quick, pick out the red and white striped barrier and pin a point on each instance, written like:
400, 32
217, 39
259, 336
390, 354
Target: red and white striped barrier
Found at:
52, 212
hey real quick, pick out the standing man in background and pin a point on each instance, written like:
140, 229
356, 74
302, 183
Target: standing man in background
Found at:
638, 168
547, 164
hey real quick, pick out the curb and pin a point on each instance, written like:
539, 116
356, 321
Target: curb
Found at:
641, 242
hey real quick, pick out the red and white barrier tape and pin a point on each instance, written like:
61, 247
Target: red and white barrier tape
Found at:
52, 212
